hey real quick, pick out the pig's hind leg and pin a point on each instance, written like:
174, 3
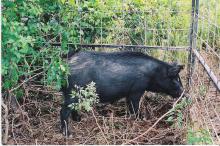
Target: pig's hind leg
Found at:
133, 101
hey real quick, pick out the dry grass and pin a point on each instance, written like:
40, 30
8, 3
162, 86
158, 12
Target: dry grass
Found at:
116, 126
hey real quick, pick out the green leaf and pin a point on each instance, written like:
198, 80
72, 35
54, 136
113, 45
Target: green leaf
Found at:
72, 2
62, 1
24, 50
7, 84
62, 68
170, 119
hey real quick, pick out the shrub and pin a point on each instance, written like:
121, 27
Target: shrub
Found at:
86, 97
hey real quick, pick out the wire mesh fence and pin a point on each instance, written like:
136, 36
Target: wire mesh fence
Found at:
205, 79
128, 23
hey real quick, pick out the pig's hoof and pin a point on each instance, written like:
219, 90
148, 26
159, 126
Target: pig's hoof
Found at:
67, 134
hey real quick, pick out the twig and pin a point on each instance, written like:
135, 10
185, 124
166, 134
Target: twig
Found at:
12, 128
32, 88
99, 127
24, 82
48, 127
5, 137
163, 116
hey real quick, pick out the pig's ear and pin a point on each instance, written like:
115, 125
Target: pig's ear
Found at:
174, 70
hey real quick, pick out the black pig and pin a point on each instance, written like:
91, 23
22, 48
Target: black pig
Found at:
118, 75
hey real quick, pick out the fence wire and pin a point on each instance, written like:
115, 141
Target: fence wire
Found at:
126, 23
205, 88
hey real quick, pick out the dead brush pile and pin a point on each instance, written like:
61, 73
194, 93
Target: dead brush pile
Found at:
37, 122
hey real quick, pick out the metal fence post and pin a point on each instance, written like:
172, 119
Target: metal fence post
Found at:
192, 45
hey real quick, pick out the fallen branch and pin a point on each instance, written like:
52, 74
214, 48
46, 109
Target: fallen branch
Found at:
163, 116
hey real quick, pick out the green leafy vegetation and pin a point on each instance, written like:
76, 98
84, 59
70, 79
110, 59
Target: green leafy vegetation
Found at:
86, 97
27, 27
198, 137
176, 115
203, 90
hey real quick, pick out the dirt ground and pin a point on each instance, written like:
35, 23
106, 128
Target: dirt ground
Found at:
39, 123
